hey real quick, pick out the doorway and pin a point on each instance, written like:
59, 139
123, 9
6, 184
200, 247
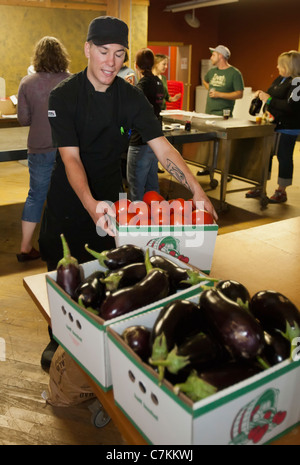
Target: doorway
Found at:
179, 69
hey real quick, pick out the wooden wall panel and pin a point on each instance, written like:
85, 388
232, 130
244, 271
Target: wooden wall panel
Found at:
22, 27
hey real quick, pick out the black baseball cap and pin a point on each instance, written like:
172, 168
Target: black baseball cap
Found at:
108, 30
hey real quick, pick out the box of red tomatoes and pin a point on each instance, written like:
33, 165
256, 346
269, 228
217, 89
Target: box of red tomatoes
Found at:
176, 227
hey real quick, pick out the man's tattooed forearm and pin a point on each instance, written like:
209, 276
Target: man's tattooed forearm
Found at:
177, 173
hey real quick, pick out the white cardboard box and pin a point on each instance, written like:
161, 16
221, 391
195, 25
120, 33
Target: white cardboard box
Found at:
191, 244
83, 334
232, 416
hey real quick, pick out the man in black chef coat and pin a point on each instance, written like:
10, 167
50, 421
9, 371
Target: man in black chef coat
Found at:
91, 114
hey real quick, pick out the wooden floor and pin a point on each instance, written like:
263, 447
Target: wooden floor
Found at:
25, 418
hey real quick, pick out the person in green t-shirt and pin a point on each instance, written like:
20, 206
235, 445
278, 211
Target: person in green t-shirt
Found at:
224, 83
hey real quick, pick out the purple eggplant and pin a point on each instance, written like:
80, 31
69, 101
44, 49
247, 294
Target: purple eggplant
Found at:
202, 383
129, 275
277, 348
238, 330
180, 278
276, 312
176, 321
153, 287
234, 291
199, 350
118, 257
138, 338
91, 291
68, 271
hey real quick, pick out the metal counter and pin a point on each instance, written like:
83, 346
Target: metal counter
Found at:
239, 149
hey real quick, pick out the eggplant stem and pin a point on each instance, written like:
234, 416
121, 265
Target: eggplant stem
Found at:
89, 309
262, 363
195, 388
67, 257
244, 305
159, 348
195, 278
101, 256
148, 264
112, 281
173, 362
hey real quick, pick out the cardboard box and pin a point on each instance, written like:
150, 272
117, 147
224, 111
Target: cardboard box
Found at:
254, 411
82, 334
191, 244
7, 107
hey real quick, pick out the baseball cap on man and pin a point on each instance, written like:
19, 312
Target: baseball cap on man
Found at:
108, 30
223, 50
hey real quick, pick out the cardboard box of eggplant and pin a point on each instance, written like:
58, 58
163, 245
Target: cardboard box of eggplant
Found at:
245, 402
83, 334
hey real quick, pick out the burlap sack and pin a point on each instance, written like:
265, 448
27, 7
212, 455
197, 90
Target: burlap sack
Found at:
67, 385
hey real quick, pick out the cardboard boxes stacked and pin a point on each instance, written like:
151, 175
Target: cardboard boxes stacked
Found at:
83, 334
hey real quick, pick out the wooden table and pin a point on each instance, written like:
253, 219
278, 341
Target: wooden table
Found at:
13, 143
264, 257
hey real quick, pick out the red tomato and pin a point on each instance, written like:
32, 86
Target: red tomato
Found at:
122, 205
158, 218
176, 218
151, 196
160, 212
177, 205
193, 206
201, 217
140, 208
180, 205
125, 218
142, 212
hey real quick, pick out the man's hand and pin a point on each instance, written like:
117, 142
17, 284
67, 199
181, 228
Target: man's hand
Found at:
103, 218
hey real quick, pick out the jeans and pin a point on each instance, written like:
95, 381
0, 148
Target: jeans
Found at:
142, 166
284, 150
40, 168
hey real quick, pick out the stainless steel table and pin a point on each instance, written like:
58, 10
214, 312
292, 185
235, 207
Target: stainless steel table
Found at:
240, 149
13, 143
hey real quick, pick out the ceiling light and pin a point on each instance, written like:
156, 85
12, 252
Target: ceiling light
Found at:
196, 4
192, 20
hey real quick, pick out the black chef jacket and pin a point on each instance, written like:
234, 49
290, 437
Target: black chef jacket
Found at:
99, 123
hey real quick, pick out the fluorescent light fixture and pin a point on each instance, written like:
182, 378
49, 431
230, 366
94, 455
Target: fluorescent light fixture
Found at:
196, 4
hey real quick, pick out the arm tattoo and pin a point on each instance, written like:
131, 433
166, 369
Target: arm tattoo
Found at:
177, 173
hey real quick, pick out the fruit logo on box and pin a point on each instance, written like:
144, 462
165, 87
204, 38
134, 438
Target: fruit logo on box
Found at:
169, 245
257, 418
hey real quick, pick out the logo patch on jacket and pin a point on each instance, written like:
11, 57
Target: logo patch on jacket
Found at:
51, 114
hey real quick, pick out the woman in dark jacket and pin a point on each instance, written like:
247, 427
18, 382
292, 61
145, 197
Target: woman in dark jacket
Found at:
142, 164
282, 101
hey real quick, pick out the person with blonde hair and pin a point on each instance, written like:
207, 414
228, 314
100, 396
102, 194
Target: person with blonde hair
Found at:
159, 68
282, 101
50, 63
